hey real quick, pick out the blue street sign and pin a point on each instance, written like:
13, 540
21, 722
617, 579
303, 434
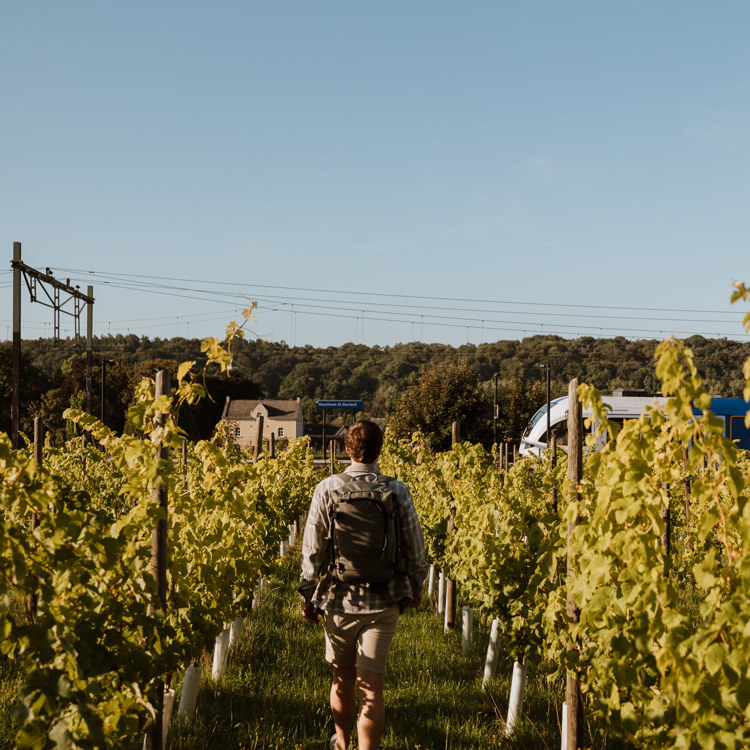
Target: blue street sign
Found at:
337, 404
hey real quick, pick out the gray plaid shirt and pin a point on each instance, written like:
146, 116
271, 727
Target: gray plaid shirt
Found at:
317, 586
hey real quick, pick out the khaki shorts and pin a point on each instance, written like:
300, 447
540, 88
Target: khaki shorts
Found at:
361, 640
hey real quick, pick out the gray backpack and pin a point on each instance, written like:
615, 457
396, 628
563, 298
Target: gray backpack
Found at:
365, 535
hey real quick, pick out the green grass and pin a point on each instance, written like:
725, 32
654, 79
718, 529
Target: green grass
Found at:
275, 691
11, 682
10, 687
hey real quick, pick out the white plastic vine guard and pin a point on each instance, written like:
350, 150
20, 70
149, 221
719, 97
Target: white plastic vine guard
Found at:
468, 630
189, 696
490, 663
167, 715
235, 630
220, 654
166, 718
517, 689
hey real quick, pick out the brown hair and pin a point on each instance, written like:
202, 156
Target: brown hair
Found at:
364, 440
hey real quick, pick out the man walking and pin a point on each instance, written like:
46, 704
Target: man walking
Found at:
360, 609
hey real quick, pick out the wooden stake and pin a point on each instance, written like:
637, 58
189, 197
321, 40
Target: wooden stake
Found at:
666, 537
687, 496
159, 535
553, 459
154, 738
38, 440
33, 600
258, 438
450, 584
575, 470
183, 463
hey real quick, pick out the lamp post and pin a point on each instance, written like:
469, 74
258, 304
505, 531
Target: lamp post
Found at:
104, 378
547, 377
494, 412
551, 440
549, 416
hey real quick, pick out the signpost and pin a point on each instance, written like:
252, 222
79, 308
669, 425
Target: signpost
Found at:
351, 405
340, 404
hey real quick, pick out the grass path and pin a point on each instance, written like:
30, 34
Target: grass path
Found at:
274, 695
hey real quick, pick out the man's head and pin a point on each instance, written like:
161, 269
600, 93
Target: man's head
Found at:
364, 441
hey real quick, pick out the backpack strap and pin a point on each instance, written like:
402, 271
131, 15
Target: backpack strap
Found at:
400, 568
332, 532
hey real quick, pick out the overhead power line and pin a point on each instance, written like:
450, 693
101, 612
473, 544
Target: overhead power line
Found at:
250, 285
471, 314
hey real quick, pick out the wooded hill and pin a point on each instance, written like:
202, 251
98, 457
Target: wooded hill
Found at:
54, 372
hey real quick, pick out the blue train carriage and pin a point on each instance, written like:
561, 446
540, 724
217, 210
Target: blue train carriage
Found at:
732, 413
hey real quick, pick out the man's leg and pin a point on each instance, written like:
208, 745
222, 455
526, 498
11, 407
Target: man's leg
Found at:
342, 703
371, 709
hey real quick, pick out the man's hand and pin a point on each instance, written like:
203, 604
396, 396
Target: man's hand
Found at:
310, 612
416, 600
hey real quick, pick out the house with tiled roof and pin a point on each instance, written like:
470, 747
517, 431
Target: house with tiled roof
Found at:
281, 418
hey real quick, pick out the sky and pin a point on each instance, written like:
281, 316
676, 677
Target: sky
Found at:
379, 172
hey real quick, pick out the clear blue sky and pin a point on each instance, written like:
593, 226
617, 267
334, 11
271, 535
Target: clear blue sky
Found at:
382, 171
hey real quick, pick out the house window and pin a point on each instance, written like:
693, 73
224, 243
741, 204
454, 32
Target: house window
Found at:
281, 432
237, 432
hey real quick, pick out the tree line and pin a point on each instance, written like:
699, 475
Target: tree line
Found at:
414, 385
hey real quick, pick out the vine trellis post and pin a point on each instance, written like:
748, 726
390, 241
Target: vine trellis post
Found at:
33, 599
159, 565
258, 447
575, 470
450, 583
553, 462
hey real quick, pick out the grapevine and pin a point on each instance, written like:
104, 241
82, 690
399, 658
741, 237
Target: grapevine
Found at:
100, 639
662, 637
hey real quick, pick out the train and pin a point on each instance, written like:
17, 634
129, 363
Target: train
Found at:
628, 404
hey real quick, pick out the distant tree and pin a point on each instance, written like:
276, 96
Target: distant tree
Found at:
385, 400
118, 392
69, 391
380, 376
305, 379
517, 402
149, 367
444, 394
34, 383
